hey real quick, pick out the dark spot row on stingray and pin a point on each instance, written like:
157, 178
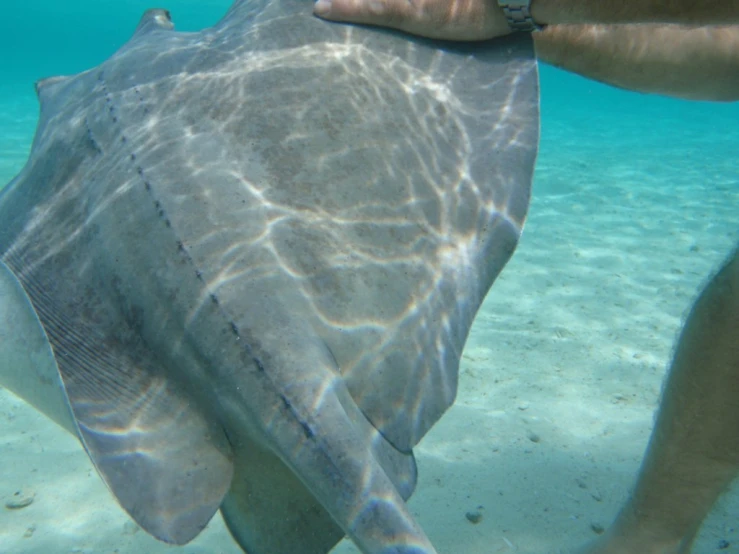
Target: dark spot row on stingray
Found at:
140, 98
140, 171
91, 138
287, 405
158, 204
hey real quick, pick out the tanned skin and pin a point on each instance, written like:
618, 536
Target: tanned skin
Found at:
483, 19
687, 12
695, 63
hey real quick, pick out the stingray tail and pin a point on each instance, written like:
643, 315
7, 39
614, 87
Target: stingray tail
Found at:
324, 471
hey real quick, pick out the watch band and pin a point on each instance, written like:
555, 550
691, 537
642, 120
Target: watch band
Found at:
518, 14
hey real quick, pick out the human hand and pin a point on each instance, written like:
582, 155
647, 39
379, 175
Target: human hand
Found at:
443, 19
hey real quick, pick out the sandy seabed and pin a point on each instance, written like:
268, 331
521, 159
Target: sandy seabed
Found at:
561, 375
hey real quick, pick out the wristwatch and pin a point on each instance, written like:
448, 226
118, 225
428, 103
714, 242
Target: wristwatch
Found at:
518, 14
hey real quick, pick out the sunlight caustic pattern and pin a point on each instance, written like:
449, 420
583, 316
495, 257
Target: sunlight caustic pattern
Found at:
273, 234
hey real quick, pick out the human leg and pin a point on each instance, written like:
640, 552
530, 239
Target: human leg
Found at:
693, 453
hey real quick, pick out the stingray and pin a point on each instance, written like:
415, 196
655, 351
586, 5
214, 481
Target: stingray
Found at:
240, 265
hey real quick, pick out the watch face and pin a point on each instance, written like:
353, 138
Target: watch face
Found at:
518, 15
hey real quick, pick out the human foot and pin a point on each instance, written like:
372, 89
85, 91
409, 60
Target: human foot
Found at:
444, 19
637, 540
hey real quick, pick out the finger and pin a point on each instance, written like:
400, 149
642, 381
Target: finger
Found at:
386, 13
444, 19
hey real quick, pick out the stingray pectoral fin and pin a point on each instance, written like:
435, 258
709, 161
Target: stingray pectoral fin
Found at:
167, 464
27, 364
167, 461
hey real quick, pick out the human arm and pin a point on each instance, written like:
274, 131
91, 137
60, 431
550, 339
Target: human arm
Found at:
683, 12
484, 19
698, 63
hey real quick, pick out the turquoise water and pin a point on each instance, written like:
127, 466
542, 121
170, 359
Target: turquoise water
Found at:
635, 203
